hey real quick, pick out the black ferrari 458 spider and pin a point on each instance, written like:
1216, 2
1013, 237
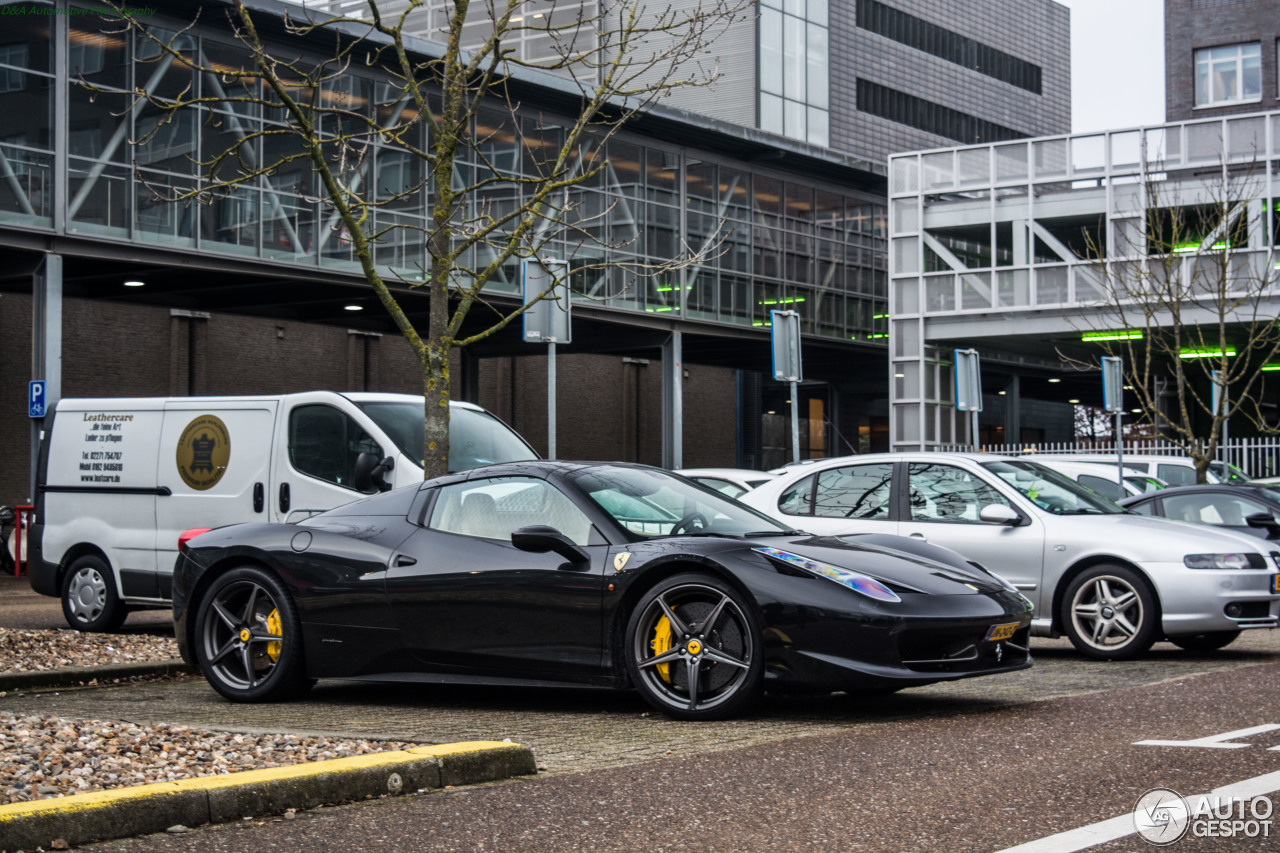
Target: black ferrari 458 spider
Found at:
611, 574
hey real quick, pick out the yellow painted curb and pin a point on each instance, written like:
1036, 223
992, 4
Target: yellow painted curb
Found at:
119, 812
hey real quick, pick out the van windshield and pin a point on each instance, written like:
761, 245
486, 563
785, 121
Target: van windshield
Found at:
475, 438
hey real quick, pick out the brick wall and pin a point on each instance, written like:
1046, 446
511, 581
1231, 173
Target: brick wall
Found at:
1192, 24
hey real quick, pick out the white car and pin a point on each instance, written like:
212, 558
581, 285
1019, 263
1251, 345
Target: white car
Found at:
731, 482
1105, 479
1174, 470
1112, 581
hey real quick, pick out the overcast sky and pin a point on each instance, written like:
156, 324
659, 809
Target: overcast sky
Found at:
1117, 63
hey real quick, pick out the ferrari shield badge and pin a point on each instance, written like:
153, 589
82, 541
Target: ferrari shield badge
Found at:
620, 560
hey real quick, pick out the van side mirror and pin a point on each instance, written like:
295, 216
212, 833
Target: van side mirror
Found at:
999, 514
539, 539
370, 474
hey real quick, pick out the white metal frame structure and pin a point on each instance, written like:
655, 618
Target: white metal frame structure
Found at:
977, 247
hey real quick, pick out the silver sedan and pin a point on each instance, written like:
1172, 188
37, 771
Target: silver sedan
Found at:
1112, 581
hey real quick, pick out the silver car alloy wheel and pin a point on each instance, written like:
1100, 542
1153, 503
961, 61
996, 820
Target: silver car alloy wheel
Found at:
1107, 612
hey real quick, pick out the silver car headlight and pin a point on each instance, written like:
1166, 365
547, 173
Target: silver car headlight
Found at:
868, 586
1216, 561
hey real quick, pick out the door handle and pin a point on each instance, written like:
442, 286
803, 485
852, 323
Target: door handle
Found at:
919, 536
259, 497
406, 560
284, 497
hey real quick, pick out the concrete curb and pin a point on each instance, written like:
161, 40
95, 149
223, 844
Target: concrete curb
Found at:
124, 812
74, 676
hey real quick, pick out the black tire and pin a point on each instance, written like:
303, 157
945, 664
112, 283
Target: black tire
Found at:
713, 643
1210, 641
248, 638
90, 601
1110, 613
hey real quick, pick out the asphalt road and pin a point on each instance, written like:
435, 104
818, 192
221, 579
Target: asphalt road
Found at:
982, 765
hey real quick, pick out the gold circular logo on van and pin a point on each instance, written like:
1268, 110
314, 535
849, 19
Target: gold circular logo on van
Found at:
204, 448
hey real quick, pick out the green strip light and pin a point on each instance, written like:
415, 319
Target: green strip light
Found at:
1206, 353
661, 309
761, 323
879, 316
1130, 335
874, 337
786, 300
1270, 368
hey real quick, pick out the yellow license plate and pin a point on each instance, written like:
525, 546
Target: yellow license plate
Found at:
1275, 583
1001, 632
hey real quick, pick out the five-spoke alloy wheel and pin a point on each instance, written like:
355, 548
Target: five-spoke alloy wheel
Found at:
693, 650
247, 638
89, 598
1109, 613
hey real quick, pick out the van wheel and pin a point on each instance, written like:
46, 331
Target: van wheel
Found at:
89, 598
249, 638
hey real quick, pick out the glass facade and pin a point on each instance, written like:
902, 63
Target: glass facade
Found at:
794, 48
986, 240
768, 239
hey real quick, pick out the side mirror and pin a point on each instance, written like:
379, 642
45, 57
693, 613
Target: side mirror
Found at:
370, 474
999, 514
1262, 519
539, 539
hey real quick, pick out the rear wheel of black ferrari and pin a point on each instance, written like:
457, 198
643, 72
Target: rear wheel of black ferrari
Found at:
248, 638
693, 650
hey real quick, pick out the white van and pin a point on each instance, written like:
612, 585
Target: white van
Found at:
120, 479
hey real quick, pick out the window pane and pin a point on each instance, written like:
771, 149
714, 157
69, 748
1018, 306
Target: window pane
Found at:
795, 120
798, 500
1251, 72
770, 113
793, 36
816, 62
859, 491
947, 493
494, 508
770, 51
324, 443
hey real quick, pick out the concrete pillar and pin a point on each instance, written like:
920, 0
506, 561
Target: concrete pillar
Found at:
46, 344
672, 403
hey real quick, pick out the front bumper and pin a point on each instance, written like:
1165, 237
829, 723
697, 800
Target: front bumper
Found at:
1195, 601
929, 638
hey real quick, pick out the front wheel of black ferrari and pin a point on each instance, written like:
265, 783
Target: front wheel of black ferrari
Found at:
693, 650
248, 638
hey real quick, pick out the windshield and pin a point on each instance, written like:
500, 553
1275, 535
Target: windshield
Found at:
1228, 473
648, 504
1051, 491
1144, 484
475, 438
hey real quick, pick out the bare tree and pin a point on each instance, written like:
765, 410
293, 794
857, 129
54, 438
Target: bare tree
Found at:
1189, 300
445, 129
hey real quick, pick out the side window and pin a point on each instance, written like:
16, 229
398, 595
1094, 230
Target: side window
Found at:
950, 494
1176, 475
1148, 508
494, 508
858, 491
1222, 510
798, 500
324, 443
1102, 486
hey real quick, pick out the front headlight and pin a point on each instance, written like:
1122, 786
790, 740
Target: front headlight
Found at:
868, 586
1216, 561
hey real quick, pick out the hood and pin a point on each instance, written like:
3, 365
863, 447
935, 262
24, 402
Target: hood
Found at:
900, 569
1155, 539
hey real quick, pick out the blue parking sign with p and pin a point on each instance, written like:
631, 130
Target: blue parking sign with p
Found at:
35, 398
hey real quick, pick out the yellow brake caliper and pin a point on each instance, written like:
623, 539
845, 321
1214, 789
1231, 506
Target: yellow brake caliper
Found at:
660, 643
273, 625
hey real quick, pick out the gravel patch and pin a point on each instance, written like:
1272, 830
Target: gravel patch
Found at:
39, 651
46, 756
